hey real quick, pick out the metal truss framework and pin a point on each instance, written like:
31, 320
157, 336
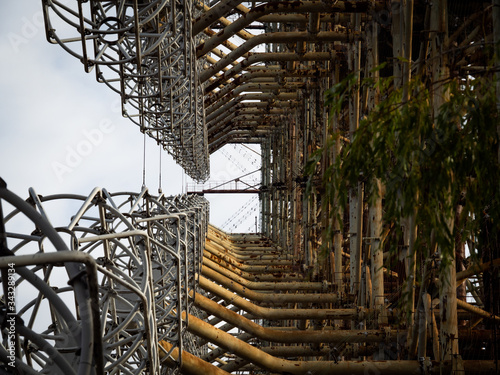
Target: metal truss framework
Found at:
130, 262
267, 304
145, 52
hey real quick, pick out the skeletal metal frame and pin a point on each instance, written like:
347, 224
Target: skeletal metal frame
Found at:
144, 51
170, 61
135, 256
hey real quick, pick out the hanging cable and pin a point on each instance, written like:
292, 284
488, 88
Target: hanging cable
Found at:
241, 215
233, 160
159, 175
144, 162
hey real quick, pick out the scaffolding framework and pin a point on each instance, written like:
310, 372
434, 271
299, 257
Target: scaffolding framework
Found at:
154, 289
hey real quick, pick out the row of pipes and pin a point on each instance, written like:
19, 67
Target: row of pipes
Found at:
286, 326
267, 88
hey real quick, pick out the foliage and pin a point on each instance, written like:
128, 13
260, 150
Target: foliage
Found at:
428, 164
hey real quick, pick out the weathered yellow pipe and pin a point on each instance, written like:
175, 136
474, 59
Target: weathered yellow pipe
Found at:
245, 255
278, 314
262, 285
307, 336
268, 362
475, 269
191, 365
255, 267
477, 311
277, 276
272, 298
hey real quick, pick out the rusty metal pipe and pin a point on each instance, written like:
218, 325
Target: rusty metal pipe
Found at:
266, 258
277, 37
260, 285
258, 277
236, 106
283, 314
217, 52
224, 21
206, 19
265, 265
271, 298
274, 364
270, 88
190, 365
220, 352
304, 19
239, 240
254, 272
262, 57
228, 44
248, 124
294, 336
261, 86
239, 136
281, 7
236, 136
476, 269
258, 74
212, 61
477, 311
231, 99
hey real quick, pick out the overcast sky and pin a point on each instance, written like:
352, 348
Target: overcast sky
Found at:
62, 132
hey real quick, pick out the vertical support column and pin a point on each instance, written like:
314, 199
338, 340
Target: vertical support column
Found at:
284, 192
277, 187
356, 193
306, 213
406, 9
377, 254
496, 39
294, 152
266, 194
337, 230
447, 294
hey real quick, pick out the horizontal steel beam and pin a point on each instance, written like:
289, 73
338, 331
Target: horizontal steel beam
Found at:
190, 364
277, 37
283, 313
252, 76
294, 336
271, 298
222, 8
279, 365
263, 57
280, 7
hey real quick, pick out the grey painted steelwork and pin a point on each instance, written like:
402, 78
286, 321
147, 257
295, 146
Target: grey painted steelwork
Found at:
144, 51
260, 70
130, 259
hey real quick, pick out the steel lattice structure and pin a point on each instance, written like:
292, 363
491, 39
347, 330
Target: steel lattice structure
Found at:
131, 260
323, 289
144, 51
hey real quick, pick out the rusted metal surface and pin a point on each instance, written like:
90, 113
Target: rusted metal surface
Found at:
277, 37
273, 298
282, 313
313, 7
274, 364
294, 336
257, 73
